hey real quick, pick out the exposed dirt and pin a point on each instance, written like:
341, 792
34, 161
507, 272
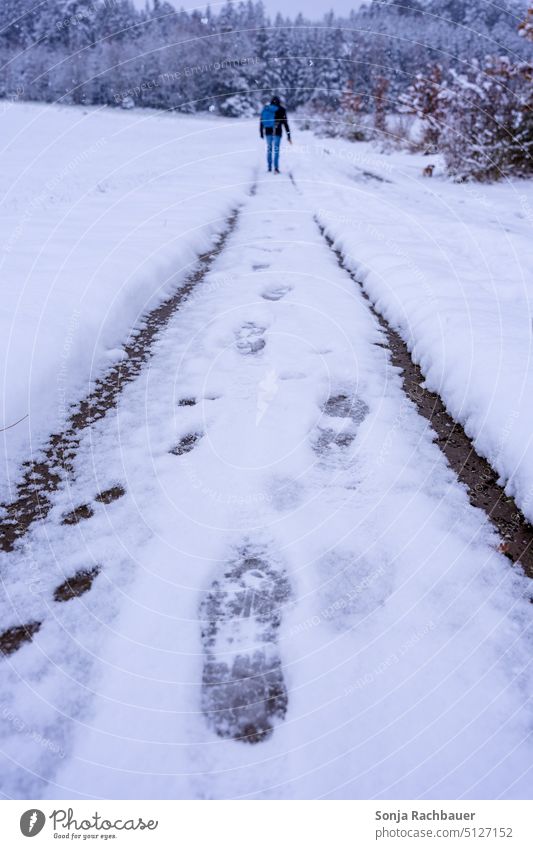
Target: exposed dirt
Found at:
186, 444
79, 584
107, 496
370, 175
471, 469
43, 476
13, 638
84, 511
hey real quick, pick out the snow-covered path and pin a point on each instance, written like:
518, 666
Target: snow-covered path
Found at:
286, 506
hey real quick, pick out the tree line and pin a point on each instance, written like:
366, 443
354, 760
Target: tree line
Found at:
345, 74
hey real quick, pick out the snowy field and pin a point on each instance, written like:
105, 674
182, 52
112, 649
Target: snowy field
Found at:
266, 448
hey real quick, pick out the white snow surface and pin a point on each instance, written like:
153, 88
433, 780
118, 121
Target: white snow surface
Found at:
406, 645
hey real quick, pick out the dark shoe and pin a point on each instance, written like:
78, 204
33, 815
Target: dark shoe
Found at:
277, 171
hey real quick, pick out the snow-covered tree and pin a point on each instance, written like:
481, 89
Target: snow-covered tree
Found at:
269, 70
19, 20
352, 111
424, 99
381, 88
303, 47
330, 72
117, 21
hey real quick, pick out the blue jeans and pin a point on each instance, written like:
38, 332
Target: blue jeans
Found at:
273, 142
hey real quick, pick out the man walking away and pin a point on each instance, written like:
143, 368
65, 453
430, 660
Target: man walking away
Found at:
273, 119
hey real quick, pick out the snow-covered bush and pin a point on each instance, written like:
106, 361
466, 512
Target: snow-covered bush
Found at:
238, 105
488, 128
423, 100
526, 27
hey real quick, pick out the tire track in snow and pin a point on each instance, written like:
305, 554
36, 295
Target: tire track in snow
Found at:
474, 471
471, 469
43, 476
241, 698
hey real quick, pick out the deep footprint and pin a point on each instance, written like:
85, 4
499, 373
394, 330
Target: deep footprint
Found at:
186, 444
249, 338
243, 689
346, 406
84, 511
275, 294
340, 406
328, 438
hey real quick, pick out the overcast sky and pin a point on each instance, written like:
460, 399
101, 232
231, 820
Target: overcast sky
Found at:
311, 8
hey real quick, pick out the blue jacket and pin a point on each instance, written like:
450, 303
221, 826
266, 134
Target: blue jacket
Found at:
280, 121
